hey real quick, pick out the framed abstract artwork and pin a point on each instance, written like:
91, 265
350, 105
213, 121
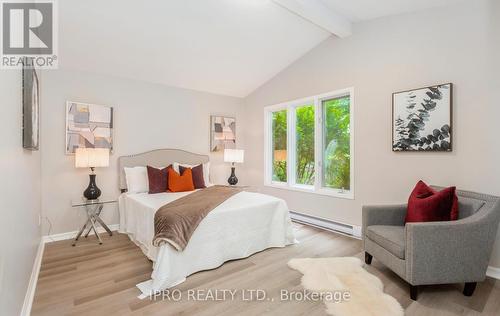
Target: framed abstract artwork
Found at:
422, 119
88, 126
222, 133
31, 107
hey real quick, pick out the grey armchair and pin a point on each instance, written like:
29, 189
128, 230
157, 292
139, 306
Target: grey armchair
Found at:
434, 252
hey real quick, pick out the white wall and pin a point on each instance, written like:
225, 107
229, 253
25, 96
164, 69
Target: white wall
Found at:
146, 116
451, 44
492, 178
19, 198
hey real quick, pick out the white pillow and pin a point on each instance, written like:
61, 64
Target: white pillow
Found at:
206, 170
137, 179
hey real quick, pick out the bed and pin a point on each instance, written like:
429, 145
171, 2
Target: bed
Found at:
242, 225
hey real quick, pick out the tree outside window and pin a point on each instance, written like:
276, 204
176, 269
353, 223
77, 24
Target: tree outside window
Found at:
304, 129
280, 146
336, 143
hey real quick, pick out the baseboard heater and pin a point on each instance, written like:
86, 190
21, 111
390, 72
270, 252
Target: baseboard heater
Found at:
323, 223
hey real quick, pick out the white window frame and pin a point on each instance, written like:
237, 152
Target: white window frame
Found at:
291, 107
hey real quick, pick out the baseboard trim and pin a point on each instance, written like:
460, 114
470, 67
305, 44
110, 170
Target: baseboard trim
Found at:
30, 292
326, 224
71, 235
493, 272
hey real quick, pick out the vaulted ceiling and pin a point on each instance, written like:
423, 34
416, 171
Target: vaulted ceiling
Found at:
228, 47
359, 10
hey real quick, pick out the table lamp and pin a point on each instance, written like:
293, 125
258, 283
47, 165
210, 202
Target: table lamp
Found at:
91, 158
233, 156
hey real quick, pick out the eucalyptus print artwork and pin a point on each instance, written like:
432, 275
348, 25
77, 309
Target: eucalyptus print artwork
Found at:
422, 119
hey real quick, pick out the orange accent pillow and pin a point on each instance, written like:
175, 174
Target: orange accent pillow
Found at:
180, 183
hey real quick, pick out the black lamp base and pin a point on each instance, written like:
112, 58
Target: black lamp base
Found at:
232, 179
92, 192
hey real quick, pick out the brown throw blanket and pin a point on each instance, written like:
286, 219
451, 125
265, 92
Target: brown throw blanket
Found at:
176, 221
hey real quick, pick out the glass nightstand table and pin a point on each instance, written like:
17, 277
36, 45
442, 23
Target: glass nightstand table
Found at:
93, 209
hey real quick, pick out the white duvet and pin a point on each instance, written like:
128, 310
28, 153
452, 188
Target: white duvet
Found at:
242, 225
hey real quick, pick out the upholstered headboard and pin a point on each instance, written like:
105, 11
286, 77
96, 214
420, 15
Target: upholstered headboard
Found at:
157, 158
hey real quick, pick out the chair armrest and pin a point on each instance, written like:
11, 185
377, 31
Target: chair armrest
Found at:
448, 252
383, 215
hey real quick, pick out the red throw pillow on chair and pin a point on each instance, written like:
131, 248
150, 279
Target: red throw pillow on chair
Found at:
428, 205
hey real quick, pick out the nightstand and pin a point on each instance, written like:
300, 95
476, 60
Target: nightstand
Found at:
93, 209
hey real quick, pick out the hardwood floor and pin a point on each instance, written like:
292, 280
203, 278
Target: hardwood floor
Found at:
90, 279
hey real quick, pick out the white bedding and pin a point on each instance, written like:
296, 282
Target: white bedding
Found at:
244, 224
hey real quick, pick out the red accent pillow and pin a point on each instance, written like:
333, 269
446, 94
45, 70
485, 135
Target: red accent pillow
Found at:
198, 181
428, 205
180, 183
158, 179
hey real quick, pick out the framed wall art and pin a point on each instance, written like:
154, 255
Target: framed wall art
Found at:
31, 107
88, 126
222, 133
422, 119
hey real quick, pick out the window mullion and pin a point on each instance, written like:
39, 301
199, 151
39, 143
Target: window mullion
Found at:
292, 146
269, 147
351, 139
318, 144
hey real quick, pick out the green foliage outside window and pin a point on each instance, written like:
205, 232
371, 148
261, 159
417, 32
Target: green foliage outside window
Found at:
305, 144
336, 144
279, 146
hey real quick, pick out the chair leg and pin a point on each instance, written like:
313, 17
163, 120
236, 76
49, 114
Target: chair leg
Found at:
469, 288
368, 258
413, 292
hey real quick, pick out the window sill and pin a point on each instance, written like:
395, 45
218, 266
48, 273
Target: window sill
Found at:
349, 195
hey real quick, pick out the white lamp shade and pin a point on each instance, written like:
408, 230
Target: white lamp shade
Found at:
234, 155
91, 157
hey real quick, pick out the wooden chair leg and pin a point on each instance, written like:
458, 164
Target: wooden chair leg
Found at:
368, 258
469, 288
413, 292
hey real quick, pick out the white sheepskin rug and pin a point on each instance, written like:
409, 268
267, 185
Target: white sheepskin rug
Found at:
334, 275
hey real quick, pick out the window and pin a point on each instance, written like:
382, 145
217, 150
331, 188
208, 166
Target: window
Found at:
309, 144
304, 133
279, 146
336, 143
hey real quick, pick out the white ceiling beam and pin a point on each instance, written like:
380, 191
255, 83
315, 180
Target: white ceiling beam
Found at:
316, 12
